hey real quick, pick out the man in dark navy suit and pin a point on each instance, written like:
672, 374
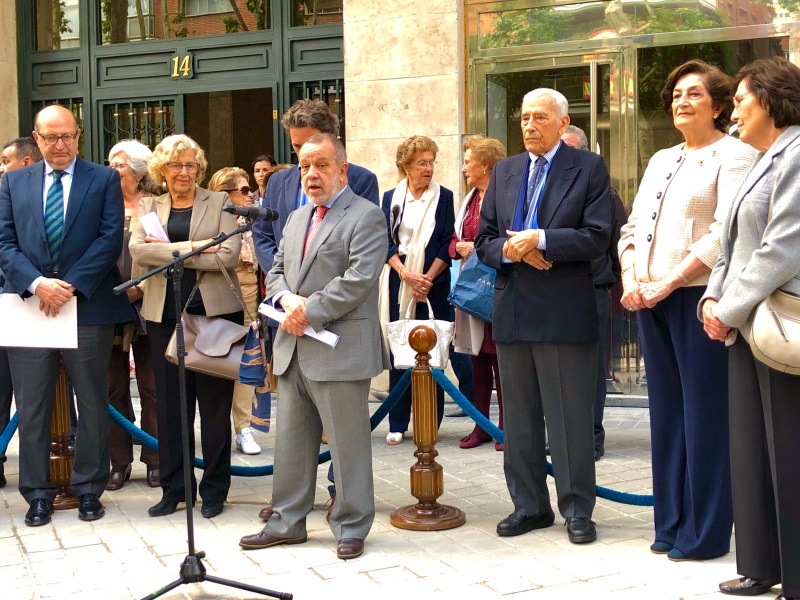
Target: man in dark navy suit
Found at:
60, 237
546, 215
284, 194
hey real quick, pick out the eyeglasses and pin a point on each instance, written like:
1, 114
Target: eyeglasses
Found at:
117, 166
49, 139
424, 164
737, 100
176, 167
244, 190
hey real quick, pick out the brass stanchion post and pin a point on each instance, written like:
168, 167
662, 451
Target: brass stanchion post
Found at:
61, 457
427, 476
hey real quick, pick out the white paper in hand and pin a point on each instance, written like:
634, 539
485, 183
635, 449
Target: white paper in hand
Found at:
324, 336
23, 325
152, 226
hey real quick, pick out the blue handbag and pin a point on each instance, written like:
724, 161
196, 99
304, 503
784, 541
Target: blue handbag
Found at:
474, 289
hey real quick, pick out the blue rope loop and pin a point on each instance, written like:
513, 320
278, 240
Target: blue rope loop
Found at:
492, 429
378, 416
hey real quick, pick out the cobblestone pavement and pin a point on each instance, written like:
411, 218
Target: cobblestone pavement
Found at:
129, 555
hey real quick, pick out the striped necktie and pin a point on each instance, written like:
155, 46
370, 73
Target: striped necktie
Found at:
319, 214
533, 182
54, 217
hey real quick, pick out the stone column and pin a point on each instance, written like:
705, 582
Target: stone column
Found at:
9, 110
404, 75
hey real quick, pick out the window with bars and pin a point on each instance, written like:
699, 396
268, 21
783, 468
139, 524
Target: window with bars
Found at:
147, 121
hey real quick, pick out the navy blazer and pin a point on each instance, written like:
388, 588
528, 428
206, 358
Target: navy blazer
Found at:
91, 243
557, 305
439, 244
281, 196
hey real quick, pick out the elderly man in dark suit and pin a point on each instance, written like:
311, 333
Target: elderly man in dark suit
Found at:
285, 194
60, 237
545, 217
325, 275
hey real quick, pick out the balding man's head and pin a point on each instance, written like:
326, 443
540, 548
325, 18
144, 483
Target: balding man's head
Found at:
56, 133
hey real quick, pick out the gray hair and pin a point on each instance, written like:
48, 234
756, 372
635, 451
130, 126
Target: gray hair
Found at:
562, 106
581, 135
138, 157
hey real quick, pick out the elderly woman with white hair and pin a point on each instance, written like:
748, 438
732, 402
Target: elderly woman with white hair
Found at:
191, 217
129, 158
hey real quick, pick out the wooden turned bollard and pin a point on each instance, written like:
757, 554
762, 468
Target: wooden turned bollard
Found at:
61, 457
427, 476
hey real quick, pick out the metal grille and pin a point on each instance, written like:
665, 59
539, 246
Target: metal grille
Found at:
148, 122
75, 105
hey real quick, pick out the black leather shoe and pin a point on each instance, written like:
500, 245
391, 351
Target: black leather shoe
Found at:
517, 524
349, 548
162, 509
747, 586
90, 508
211, 508
599, 452
39, 512
153, 477
581, 530
118, 477
264, 540
3, 481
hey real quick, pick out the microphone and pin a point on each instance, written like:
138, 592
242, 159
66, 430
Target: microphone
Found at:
257, 213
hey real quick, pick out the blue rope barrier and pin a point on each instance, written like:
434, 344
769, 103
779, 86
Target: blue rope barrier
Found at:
496, 433
378, 416
8, 433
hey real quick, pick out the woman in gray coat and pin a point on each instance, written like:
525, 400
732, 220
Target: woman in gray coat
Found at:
760, 254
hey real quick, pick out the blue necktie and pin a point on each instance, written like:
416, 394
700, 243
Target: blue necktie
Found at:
54, 217
533, 183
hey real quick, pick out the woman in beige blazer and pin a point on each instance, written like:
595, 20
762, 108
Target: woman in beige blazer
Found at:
666, 250
191, 217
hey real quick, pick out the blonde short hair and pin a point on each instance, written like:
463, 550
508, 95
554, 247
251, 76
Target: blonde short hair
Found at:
409, 148
225, 179
168, 149
487, 151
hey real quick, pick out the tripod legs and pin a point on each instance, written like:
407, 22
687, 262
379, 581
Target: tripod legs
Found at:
193, 571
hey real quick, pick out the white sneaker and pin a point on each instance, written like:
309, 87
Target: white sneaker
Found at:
246, 443
394, 437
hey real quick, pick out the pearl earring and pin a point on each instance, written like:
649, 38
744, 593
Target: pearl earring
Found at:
164, 184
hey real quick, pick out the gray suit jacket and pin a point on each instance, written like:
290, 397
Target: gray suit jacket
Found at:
758, 257
339, 277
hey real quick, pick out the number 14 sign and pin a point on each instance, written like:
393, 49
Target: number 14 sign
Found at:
181, 66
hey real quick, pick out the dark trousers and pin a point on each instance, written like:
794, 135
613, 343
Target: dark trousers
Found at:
553, 382
400, 415
765, 445
602, 296
462, 367
35, 371
6, 393
687, 377
120, 444
483, 366
213, 396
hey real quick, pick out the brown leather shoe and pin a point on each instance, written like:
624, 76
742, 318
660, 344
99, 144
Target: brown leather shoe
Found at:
330, 507
266, 512
264, 540
349, 548
118, 477
153, 477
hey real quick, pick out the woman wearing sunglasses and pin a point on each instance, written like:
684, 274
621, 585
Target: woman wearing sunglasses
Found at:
233, 180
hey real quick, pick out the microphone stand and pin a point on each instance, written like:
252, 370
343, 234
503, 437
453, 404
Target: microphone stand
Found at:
192, 569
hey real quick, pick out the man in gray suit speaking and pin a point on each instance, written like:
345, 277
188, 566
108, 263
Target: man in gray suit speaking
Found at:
325, 275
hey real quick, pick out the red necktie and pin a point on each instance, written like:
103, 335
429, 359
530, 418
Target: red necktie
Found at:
319, 214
